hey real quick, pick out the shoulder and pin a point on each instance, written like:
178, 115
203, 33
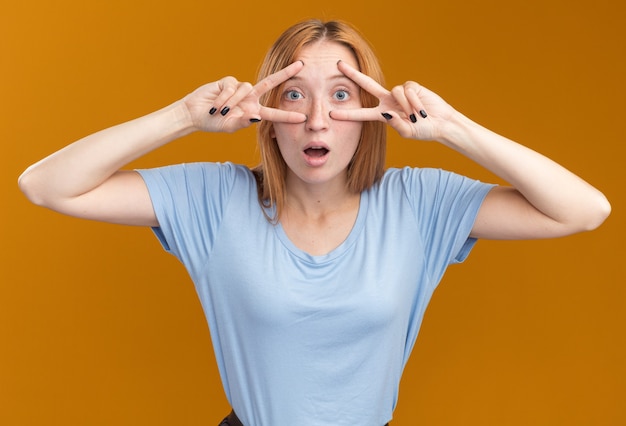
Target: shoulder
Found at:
411, 178
426, 177
431, 186
187, 173
203, 167
408, 172
197, 183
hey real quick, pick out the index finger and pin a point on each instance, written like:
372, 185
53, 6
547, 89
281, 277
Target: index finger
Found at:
279, 77
364, 81
280, 116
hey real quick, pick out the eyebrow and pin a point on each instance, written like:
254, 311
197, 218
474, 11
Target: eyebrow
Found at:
332, 77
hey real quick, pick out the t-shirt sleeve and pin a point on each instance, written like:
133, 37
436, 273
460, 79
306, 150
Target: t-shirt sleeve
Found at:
189, 201
445, 205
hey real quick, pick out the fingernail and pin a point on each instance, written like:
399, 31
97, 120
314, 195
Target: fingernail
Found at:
255, 120
338, 61
212, 110
423, 113
387, 116
225, 110
413, 118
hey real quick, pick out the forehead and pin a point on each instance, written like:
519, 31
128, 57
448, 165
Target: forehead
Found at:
326, 53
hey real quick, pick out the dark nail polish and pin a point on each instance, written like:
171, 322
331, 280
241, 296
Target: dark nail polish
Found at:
255, 120
212, 110
413, 118
225, 110
387, 116
423, 113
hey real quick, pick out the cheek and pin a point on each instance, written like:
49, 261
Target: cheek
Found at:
352, 129
293, 106
284, 134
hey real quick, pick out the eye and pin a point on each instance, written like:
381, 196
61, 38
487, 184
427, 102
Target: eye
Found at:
341, 95
293, 95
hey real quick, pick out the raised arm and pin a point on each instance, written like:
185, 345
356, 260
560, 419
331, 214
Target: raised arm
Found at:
544, 200
85, 179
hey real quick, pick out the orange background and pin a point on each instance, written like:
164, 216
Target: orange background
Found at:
99, 327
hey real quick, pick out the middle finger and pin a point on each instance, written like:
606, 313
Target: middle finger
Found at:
279, 77
364, 81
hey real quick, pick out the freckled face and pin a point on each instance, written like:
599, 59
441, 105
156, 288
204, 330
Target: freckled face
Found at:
319, 150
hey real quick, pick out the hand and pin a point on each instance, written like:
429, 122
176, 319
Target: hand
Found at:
228, 105
412, 110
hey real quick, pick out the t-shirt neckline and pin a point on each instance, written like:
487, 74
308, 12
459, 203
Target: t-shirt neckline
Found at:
337, 251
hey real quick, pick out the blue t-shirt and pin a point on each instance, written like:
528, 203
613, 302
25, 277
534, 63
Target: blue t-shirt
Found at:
313, 340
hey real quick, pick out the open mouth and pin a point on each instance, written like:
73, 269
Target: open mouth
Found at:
316, 152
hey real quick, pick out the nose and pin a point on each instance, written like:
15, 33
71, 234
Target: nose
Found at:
318, 116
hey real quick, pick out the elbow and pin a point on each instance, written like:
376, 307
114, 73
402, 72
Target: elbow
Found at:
598, 211
27, 183
604, 210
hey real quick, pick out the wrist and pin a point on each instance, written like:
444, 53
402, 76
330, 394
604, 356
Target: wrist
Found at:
180, 119
455, 130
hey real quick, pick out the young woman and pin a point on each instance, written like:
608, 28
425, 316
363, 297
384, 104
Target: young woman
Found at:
314, 269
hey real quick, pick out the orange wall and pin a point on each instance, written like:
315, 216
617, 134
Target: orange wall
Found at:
99, 327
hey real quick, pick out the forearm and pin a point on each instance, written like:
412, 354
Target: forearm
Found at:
88, 162
550, 188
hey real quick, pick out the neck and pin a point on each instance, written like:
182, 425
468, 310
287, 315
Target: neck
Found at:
320, 200
318, 218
